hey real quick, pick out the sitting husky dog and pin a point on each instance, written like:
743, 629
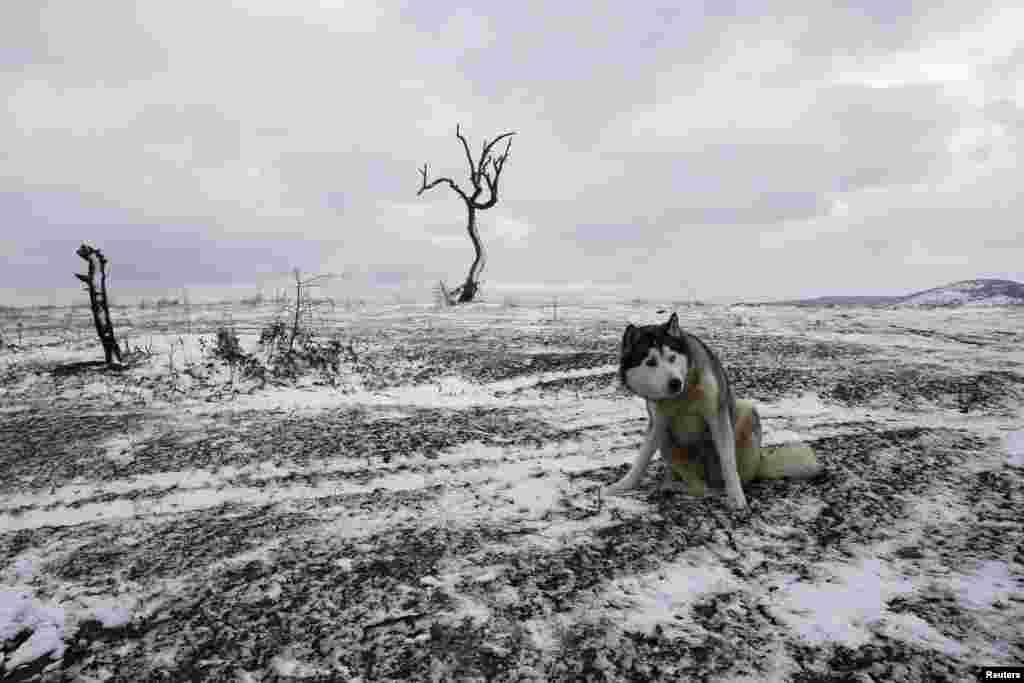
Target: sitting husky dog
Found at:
707, 438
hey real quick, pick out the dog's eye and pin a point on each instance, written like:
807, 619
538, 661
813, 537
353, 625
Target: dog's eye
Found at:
652, 362
672, 358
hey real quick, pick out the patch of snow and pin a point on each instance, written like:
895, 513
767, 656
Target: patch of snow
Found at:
119, 448
531, 497
1015, 448
23, 568
989, 583
46, 639
983, 292
943, 509
911, 628
468, 608
287, 665
178, 501
51, 622
533, 491
808, 404
447, 579
664, 596
342, 522
446, 392
51, 354
180, 481
849, 607
942, 296
19, 610
112, 616
531, 380
995, 300
542, 634
777, 437
166, 658
96, 389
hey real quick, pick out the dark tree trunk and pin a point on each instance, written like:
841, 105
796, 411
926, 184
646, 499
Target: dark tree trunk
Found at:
98, 301
298, 309
484, 175
472, 283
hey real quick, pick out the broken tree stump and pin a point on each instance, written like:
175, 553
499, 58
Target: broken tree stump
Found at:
98, 301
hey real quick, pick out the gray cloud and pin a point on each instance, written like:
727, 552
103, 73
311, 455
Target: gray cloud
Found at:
884, 26
215, 146
141, 252
76, 43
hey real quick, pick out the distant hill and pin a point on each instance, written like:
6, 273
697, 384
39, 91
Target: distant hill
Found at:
971, 292
980, 292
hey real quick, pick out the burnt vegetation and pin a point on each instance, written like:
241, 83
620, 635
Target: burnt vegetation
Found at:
484, 178
99, 301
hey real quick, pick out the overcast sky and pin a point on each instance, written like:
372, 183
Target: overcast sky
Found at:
725, 151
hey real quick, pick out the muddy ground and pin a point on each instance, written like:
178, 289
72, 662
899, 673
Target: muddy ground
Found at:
437, 517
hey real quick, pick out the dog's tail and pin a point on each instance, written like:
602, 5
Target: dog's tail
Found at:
788, 461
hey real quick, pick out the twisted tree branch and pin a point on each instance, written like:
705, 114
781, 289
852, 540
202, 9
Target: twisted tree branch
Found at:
489, 168
473, 174
424, 186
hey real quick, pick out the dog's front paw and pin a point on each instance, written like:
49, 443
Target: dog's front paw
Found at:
737, 500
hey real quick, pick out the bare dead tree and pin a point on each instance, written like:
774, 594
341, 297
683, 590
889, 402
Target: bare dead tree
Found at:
302, 301
98, 300
485, 173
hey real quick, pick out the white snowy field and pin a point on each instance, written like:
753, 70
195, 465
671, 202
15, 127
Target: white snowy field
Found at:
430, 511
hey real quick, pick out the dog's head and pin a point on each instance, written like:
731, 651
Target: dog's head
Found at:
654, 360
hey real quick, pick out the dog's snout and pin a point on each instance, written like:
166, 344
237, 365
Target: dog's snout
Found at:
675, 385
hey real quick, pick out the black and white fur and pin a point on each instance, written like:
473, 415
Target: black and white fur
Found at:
654, 363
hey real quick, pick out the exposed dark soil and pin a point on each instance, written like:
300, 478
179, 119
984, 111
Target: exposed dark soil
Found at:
398, 543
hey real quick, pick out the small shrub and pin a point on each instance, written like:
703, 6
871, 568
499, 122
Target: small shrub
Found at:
227, 346
274, 337
282, 358
288, 358
322, 356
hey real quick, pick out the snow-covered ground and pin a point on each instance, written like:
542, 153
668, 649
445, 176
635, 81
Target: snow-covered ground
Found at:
434, 515
984, 292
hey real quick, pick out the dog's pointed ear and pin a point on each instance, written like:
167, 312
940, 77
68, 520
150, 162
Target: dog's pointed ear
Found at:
627, 337
672, 327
